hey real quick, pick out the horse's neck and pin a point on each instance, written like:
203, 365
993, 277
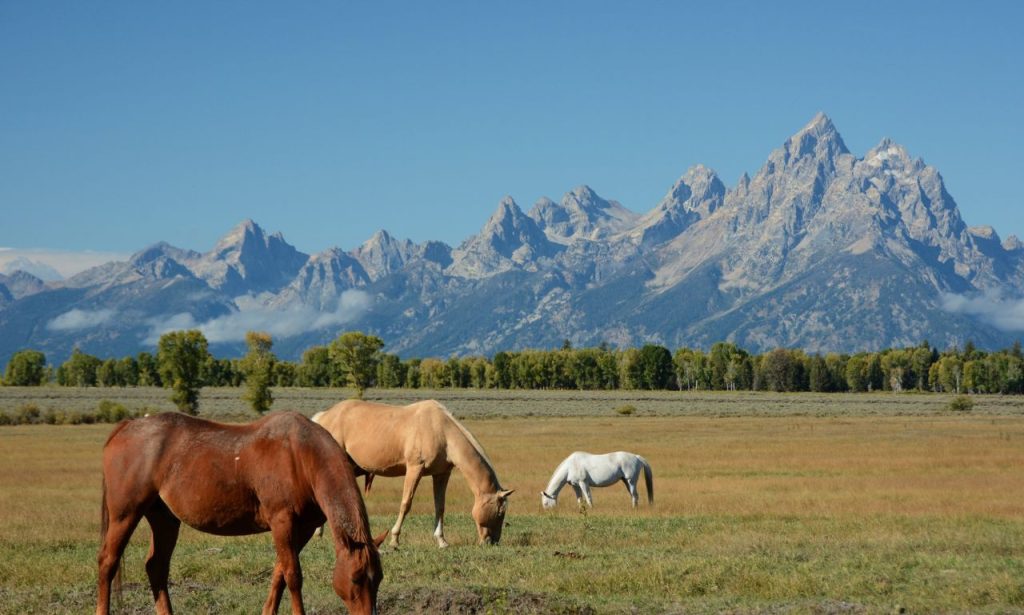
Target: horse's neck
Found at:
466, 455
558, 480
345, 514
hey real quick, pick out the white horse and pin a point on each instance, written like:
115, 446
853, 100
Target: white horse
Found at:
583, 471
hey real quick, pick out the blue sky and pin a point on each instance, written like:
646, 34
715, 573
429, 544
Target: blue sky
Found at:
125, 124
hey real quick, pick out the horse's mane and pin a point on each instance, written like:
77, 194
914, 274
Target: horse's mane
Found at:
472, 440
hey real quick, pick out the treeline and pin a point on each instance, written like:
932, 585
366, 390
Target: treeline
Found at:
357, 360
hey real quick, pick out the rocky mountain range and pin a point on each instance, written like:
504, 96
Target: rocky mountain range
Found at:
820, 249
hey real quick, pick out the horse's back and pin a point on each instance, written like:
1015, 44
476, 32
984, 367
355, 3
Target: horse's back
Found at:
213, 476
382, 438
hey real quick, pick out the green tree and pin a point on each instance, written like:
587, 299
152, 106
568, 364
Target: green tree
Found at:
655, 364
502, 370
431, 373
855, 380
390, 371
783, 370
286, 374
818, 378
79, 370
258, 367
128, 372
356, 354
27, 368
180, 357
149, 371
316, 369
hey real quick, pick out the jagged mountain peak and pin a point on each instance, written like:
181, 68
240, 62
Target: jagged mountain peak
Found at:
890, 155
509, 218
247, 260
162, 249
819, 249
509, 239
241, 234
382, 254
818, 139
507, 205
694, 196
582, 214
21, 283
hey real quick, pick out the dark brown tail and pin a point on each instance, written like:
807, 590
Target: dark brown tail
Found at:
367, 481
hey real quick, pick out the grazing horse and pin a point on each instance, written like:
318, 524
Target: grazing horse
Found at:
421, 439
583, 471
281, 474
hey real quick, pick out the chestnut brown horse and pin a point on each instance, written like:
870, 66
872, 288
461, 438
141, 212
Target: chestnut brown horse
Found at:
421, 439
281, 474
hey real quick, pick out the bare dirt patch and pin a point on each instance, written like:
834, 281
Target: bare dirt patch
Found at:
469, 601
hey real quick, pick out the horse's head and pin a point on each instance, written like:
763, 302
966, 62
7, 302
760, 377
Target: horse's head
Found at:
489, 514
547, 502
357, 574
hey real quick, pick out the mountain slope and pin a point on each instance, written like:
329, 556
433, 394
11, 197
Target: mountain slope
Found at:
819, 249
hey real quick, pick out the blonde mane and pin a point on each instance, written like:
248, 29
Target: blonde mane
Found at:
472, 440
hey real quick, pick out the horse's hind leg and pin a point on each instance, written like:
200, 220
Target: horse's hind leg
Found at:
440, 487
631, 487
115, 539
164, 526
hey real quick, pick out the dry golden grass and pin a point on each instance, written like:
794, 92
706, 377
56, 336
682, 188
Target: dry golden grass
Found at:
793, 466
778, 512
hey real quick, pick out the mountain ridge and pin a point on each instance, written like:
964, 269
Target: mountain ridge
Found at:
819, 248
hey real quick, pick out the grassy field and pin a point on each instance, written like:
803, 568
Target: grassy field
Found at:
763, 503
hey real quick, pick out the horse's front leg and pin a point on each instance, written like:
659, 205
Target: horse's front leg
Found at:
288, 541
440, 487
579, 495
412, 479
585, 488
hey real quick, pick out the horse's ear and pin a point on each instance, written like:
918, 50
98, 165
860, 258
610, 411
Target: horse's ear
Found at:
378, 541
504, 494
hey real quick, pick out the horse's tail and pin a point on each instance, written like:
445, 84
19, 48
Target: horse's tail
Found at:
648, 479
104, 525
367, 482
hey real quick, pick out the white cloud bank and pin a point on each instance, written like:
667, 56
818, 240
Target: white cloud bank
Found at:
1003, 313
76, 319
279, 323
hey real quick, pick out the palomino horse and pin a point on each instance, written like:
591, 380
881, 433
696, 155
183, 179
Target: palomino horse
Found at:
421, 439
281, 474
583, 470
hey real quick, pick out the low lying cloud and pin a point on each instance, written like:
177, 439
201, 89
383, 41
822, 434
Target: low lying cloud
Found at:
76, 320
279, 323
1003, 313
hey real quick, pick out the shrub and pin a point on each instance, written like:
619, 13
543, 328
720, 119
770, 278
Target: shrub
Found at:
626, 410
28, 414
110, 412
961, 403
